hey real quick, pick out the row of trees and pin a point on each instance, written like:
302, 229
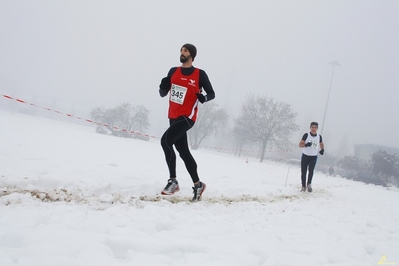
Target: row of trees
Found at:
382, 169
263, 122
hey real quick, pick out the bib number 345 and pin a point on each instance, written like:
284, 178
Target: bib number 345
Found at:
178, 93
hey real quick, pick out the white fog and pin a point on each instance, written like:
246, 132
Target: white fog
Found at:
78, 55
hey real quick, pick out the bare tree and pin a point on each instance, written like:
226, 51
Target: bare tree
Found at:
131, 118
266, 121
122, 120
240, 136
107, 117
209, 120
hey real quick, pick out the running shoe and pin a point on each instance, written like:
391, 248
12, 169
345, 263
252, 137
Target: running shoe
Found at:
171, 187
198, 192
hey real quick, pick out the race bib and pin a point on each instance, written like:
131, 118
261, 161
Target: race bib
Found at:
178, 93
314, 145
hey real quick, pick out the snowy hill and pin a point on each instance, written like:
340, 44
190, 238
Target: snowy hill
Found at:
70, 196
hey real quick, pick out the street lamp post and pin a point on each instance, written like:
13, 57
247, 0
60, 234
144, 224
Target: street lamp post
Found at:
334, 64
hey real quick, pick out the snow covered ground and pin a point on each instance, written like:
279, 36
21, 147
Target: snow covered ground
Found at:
70, 196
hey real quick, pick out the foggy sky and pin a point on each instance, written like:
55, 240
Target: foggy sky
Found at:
86, 54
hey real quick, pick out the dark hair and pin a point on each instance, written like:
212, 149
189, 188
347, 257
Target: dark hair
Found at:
314, 124
192, 49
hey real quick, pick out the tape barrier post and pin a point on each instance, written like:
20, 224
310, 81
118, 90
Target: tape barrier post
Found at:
289, 165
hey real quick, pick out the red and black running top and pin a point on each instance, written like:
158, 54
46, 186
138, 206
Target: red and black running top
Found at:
185, 84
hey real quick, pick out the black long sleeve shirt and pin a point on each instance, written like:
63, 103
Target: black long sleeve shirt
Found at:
203, 82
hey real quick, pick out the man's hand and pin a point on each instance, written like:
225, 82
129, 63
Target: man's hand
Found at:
308, 144
321, 151
165, 83
201, 97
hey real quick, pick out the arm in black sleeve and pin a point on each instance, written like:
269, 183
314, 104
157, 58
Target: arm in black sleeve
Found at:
305, 136
206, 84
164, 87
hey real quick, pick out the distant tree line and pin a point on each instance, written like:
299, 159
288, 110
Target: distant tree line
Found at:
382, 169
263, 123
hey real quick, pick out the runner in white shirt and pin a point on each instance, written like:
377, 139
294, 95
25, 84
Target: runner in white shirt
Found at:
312, 144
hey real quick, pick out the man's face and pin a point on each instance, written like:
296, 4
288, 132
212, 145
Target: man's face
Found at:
184, 55
313, 129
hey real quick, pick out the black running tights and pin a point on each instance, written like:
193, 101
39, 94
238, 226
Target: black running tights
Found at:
307, 161
176, 135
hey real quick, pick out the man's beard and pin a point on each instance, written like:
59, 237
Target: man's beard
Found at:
183, 59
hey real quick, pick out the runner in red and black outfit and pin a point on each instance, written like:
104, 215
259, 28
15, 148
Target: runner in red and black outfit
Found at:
184, 85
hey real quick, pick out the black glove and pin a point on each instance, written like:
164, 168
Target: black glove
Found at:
165, 83
321, 151
308, 144
201, 97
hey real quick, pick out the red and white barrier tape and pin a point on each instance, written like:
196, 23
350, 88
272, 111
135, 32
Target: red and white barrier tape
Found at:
77, 117
134, 132
244, 151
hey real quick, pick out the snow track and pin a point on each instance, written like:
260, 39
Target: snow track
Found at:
16, 195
